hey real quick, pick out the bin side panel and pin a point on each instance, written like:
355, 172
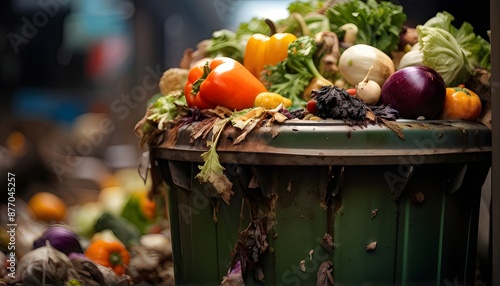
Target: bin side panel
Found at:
193, 229
367, 213
466, 202
232, 218
420, 236
302, 222
438, 225
173, 215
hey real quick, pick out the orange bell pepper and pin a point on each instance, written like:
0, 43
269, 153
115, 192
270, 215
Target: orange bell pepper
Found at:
109, 254
221, 81
262, 50
461, 103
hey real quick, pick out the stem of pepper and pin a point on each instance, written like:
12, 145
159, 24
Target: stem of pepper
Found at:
271, 25
197, 84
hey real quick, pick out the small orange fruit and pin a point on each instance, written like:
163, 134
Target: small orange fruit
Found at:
47, 207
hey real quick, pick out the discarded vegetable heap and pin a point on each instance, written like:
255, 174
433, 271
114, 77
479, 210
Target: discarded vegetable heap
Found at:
354, 61
317, 51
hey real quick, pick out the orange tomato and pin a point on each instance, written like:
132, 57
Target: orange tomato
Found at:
47, 207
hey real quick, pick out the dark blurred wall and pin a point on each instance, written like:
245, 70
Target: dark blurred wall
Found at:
419, 11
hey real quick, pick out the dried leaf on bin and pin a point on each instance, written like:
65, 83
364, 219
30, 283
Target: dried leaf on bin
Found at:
212, 172
371, 246
171, 134
248, 128
203, 128
252, 242
302, 265
219, 111
370, 116
325, 274
327, 243
249, 117
277, 115
271, 211
147, 132
394, 128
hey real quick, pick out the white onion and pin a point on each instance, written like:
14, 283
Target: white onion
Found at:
356, 60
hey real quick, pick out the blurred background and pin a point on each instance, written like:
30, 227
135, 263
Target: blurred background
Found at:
76, 76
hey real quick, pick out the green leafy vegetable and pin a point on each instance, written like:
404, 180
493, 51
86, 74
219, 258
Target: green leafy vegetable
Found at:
231, 44
379, 23
255, 25
166, 108
226, 43
304, 7
442, 53
453, 53
290, 84
291, 76
162, 111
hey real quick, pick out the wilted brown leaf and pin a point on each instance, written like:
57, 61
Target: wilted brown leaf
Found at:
203, 128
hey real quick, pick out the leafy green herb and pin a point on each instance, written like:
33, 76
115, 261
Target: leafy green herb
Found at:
379, 22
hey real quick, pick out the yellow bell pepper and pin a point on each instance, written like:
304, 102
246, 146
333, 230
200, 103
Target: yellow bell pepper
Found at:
461, 103
262, 50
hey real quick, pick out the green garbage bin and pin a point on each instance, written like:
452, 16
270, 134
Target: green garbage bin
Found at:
379, 207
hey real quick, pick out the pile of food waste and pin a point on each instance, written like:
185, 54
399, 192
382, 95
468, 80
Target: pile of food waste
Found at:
352, 61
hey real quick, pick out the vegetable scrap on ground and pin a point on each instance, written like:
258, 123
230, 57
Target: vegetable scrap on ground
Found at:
122, 238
